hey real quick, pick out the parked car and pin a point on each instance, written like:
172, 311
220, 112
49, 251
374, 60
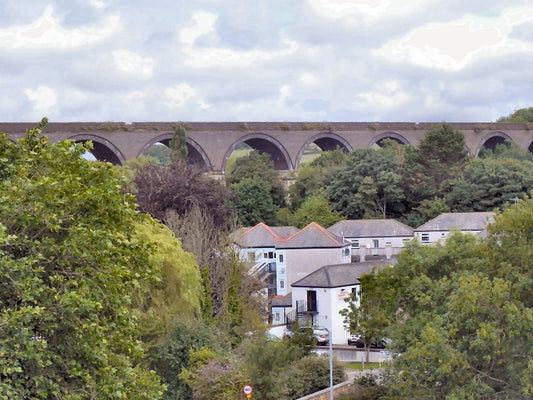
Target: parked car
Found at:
321, 335
358, 341
318, 333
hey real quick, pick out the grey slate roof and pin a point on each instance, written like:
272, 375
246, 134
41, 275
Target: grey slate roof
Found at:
468, 221
370, 228
312, 236
262, 235
336, 275
282, 301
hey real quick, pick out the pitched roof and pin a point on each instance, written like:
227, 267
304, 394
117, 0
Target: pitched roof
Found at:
312, 236
262, 235
468, 221
337, 275
370, 228
282, 301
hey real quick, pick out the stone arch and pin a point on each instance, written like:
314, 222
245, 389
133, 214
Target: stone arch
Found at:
103, 149
264, 144
378, 139
492, 140
327, 141
195, 154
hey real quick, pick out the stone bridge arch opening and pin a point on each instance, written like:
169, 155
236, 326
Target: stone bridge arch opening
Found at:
159, 148
325, 141
381, 139
103, 150
263, 144
493, 140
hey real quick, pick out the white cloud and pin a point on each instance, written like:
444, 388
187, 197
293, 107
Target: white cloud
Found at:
131, 63
43, 98
182, 95
366, 11
203, 23
98, 4
47, 33
227, 57
453, 45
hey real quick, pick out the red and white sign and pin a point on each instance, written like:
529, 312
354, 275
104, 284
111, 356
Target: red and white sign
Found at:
247, 389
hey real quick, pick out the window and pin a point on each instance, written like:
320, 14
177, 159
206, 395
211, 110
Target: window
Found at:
281, 258
424, 237
346, 252
355, 243
281, 284
277, 316
375, 243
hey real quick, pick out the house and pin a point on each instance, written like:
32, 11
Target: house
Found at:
319, 297
280, 306
282, 255
373, 239
439, 228
257, 246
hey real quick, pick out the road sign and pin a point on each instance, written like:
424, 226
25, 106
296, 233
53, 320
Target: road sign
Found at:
247, 389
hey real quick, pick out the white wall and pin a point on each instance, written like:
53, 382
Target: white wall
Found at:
330, 303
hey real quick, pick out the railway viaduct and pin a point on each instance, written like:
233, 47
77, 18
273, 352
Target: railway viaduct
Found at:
210, 144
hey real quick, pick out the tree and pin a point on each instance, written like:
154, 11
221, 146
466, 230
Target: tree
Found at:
258, 167
177, 292
179, 187
490, 183
69, 263
252, 201
521, 115
461, 314
316, 209
368, 185
178, 144
313, 177
366, 312
439, 157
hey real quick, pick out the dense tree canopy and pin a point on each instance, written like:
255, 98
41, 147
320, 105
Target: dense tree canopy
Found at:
179, 187
521, 115
460, 314
368, 185
68, 267
258, 167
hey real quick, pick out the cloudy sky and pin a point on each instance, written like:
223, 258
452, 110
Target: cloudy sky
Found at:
265, 60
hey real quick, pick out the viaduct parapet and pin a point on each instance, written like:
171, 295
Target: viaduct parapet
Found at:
211, 143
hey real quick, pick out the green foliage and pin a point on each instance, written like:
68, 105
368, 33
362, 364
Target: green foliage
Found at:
69, 264
316, 209
314, 177
268, 364
521, 115
311, 374
257, 167
177, 293
367, 313
368, 185
461, 314
175, 357
158, 152
490, 183
252, 201
506, 149
178, 144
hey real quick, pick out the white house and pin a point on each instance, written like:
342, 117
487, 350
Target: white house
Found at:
319, 297
282, 255
373, 239
439, 228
